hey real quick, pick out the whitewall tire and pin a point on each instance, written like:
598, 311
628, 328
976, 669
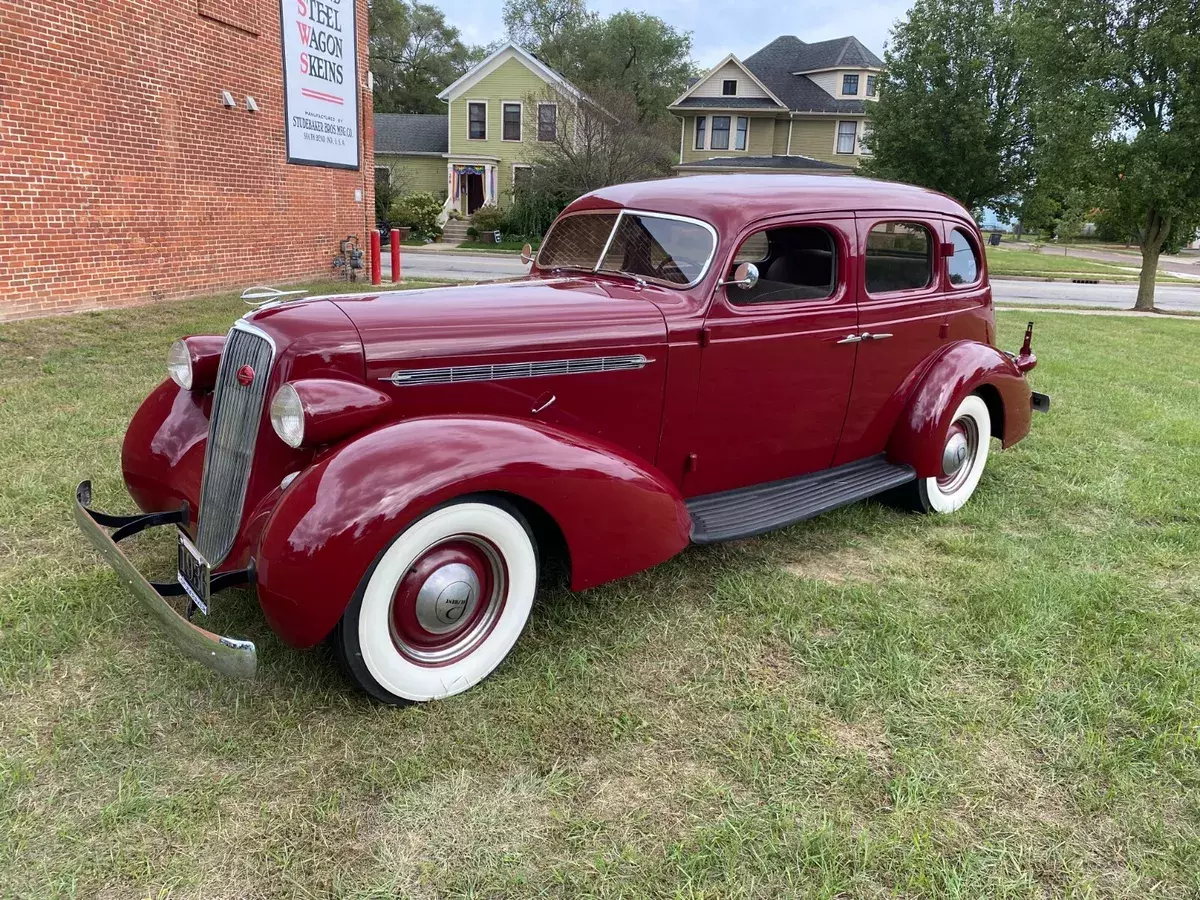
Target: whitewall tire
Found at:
443, 605
964, 455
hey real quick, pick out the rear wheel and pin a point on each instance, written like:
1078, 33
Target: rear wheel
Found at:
443, 605
964, 455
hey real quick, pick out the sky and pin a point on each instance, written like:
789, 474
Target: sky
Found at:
718, 27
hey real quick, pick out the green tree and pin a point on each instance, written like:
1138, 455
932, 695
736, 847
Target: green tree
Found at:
628, 52
414, 55
953, 108
1120, 112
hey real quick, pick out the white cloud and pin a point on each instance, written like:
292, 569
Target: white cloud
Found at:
719, 28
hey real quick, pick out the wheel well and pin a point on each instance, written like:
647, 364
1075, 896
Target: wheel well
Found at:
554, 555
995, 406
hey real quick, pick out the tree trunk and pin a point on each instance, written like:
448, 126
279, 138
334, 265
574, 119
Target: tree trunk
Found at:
1151, 240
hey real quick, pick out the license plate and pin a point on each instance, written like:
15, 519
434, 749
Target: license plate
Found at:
194, 573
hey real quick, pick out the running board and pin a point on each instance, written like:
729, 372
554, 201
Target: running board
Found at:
748, 511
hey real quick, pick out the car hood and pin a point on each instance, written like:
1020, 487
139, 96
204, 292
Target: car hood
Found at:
472, 322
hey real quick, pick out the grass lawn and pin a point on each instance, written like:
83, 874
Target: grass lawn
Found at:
1003, 261
1003, 703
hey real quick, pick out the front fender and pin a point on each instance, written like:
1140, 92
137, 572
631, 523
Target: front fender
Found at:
618, 515
963, 368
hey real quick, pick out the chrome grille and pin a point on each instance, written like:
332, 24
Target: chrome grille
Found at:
232, 431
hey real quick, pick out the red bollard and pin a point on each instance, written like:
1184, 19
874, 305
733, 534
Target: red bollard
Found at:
376, 265
395, 256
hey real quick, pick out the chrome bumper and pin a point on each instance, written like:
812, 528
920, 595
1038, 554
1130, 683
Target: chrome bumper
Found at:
229, 656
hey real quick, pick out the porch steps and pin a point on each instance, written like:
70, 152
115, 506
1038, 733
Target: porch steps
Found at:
455, 232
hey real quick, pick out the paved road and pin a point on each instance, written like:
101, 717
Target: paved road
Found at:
472, 267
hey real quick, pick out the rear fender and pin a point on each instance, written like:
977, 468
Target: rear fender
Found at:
963, 368
617, 515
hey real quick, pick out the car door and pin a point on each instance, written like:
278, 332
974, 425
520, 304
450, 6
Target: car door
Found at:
774, 374
902, 317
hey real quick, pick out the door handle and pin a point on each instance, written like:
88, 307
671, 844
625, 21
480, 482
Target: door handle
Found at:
851, 339
868, 336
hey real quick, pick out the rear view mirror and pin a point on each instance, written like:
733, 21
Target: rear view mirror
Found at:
527, 254
745, 276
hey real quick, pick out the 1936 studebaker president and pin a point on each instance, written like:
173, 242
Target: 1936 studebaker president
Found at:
689, 360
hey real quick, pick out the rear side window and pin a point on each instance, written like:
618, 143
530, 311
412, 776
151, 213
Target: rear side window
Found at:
797, 263
963, 266
899, 257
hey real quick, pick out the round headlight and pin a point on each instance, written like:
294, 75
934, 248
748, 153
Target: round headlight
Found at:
179, 365
287, 416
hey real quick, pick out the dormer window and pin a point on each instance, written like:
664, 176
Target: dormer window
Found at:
850, 85
729, 87
870, 85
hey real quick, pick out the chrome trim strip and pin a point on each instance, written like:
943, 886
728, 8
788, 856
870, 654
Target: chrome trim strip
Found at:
505, 371
621, 213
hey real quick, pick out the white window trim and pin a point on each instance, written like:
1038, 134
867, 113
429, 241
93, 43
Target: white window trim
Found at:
734, 129
486, 123
735, 87
837, 130
857, 84
538, 133
731, 131
707, 144
387, 169
696, 131
862, 133
512, 184
520, 121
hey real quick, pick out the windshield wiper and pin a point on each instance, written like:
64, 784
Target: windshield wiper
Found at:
641, 282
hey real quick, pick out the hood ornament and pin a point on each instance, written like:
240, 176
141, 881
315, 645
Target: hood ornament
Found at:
263, 296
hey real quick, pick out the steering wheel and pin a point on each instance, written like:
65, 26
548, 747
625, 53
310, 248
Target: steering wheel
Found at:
668, 270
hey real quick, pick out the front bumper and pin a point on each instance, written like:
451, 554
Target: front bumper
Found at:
229, 656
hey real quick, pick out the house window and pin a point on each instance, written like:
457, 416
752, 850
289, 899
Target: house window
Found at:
522, 175
862, 141
512, 122
850, 84
794, 263
547, 121
700, 122
743, 125
383, 175
899, 257
870, 85
477, 121
963, 266
729, 87
720, 133
845, 136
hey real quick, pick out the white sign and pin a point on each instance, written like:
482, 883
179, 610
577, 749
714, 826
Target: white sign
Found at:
320, 82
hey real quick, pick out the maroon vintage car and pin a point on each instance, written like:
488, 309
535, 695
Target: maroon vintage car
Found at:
688, 361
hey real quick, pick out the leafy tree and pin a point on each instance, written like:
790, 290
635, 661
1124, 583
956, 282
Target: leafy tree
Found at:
628, 52
414, 55
1120, 111
953, 108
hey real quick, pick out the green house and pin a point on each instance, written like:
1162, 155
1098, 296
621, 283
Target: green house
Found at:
790, 107
497, 114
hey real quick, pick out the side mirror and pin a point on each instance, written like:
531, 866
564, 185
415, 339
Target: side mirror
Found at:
527, 254
745, 276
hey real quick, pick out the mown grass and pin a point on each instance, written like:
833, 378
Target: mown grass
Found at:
1005, 261
1003, 703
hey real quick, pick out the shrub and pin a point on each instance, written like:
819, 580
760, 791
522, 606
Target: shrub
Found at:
534, 209
490, 218
419, 212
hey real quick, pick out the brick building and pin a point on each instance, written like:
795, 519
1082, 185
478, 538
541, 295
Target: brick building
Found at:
126, 176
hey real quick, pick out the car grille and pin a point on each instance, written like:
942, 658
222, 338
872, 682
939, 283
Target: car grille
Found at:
232, 431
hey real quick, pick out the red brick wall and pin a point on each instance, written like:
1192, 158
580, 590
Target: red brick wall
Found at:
124, 180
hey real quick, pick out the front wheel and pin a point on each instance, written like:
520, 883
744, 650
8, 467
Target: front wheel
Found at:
443, 605
964, 454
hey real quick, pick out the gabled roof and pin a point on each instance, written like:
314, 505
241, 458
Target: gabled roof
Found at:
839, 53
412, 133
693, 84
775, 65
506, 52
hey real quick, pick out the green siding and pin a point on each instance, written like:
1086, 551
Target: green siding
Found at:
815, 138
511, 82
417, 173
779, 145
760, 140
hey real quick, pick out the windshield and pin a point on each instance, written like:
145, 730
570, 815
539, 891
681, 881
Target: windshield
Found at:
644, 245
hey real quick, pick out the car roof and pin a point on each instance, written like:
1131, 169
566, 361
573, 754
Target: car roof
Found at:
734, 200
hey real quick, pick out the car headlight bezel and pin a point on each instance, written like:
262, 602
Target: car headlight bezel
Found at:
179, 364
287, 415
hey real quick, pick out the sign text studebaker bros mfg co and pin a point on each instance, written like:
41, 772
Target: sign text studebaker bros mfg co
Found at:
320, 74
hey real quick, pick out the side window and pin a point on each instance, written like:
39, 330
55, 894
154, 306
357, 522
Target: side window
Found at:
899, 257
794, 263
963, 266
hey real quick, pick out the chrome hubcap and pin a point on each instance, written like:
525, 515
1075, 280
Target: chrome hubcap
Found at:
447, 598
954, 454
958, 455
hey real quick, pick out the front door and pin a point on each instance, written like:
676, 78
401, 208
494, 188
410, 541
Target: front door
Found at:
774, 373
902, 305
474, 192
